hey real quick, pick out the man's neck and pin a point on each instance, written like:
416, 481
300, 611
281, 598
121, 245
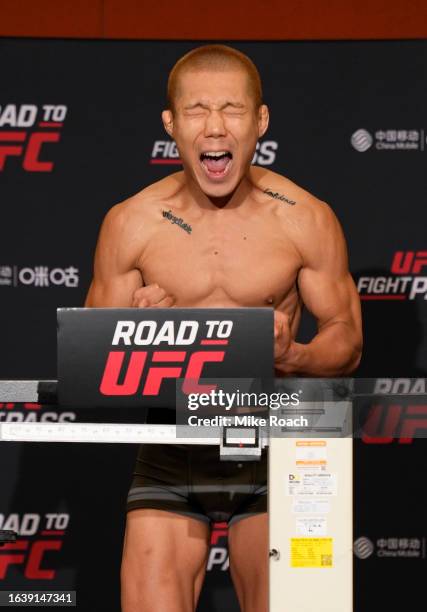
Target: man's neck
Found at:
235, 199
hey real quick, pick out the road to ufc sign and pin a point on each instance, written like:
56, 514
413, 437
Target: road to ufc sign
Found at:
29, 130
133, 357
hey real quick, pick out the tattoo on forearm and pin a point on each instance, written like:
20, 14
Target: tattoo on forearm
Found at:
167, 214
278, 196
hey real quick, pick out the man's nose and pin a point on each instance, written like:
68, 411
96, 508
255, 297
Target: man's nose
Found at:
215, 126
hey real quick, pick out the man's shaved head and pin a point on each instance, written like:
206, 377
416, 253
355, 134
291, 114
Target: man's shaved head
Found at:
217, 58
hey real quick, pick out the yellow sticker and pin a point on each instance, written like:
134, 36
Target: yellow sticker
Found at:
311, 443
311, 453
311, 552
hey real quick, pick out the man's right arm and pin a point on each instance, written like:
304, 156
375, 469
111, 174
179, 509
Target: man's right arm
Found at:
116, 277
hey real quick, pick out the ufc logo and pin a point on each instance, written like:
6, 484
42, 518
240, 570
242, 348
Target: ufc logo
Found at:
31, 556
155, 374
407, 262
385, 423
30, 151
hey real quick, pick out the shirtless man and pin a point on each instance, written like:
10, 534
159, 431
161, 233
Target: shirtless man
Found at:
247, 237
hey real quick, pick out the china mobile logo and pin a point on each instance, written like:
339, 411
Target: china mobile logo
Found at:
394, 547
361, 140
39, 536
388, 140
406, 281
400, 417
152, 367
363, 547
165, 152
27, 132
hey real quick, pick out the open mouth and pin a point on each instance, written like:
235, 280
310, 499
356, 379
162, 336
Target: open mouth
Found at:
216, 163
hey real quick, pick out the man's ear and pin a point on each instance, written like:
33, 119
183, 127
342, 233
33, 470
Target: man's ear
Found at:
167, 118
263, 120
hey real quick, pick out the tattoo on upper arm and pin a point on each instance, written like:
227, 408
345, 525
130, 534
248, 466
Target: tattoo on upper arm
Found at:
278, 196
167, 214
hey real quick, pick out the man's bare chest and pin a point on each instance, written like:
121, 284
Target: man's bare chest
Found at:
244, 263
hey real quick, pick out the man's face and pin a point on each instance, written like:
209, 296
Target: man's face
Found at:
216, 127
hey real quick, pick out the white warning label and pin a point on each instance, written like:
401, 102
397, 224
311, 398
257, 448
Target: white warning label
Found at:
311, 506
311, 483
311, 526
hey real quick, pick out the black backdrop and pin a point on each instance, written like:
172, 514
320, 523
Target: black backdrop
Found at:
79, 131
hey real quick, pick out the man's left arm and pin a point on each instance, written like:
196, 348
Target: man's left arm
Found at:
329, 293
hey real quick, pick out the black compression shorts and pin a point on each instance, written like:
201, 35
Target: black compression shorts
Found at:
192, 480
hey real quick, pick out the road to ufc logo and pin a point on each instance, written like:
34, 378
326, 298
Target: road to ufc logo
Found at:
30, 150
26, 143
155, 374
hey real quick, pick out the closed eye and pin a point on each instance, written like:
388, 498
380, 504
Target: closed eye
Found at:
234, 111
229, 108
195, 112
234, 108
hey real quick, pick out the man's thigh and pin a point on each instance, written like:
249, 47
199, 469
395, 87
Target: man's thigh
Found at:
248, 549
164, 560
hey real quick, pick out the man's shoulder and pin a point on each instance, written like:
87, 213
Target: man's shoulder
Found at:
145, 204
297, 201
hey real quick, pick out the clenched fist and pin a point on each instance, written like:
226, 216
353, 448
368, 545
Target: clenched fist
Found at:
152, 296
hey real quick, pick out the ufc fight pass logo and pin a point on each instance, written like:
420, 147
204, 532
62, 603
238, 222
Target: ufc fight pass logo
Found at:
28, 133
165, 152
406, 282
143, 371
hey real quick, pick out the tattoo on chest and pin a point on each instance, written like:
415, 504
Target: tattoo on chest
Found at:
167, 214
278, 196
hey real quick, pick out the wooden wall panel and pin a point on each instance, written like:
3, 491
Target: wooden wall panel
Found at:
52, 18
266, 19
201, 20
